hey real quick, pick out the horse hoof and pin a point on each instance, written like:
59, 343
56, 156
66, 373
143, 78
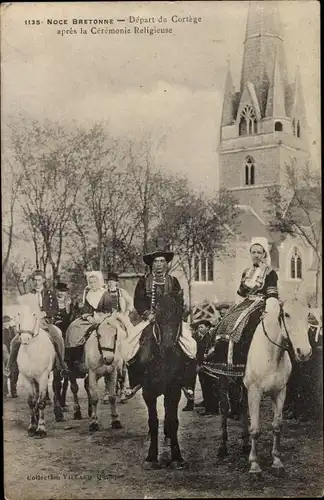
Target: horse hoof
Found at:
65, 409
179, 465
93, 426
151, 465
59, 418
116, 424
105, 401
77, 415
222, 452
31, 431
255, 470
41, 433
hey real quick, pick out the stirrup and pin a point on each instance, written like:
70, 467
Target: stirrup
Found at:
189, 393
131, 392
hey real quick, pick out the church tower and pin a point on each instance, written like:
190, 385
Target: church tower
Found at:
263, 124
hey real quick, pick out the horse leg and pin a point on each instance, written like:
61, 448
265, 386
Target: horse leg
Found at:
57, 396
244, 420
224, 409
153, 422
31, 403
86, 386
105, 398
278, 400
94, 398
112, 383
254, 399
171, 425
65, 386
76, 405
40, 405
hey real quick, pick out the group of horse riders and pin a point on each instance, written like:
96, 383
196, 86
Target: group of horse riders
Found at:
258, 283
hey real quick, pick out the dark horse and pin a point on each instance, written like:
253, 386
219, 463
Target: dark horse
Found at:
163, 375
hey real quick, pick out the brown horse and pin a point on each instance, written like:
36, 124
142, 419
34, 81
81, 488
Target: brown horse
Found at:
163, 375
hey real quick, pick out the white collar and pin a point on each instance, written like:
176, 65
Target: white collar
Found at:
94, 296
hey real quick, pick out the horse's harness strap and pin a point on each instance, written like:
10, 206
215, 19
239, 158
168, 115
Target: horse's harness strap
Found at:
287, 340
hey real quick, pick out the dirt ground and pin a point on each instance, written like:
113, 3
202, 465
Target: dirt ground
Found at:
72, 464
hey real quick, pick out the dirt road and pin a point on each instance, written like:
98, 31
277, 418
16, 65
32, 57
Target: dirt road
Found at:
72, 464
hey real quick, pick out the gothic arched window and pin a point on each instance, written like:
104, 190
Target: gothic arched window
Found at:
278, 127
296, 265
248, 123
203, 268
249, 171
298, 129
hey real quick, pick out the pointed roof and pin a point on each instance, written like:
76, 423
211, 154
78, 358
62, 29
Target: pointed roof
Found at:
227, 112
276, 95
263, 50
263, 19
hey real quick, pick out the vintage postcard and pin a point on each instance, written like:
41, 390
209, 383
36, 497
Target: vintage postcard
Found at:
161, 249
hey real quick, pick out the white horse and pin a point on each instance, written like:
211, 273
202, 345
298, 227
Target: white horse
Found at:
36, 359
102, 359
268, 367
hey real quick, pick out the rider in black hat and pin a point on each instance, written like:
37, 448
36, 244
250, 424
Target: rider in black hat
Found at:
148, 290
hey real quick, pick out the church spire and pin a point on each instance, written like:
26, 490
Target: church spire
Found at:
276, 94
263, 48
227, 112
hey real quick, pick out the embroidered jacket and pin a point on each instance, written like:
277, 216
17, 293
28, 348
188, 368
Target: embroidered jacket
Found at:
146, 294
121, 301
259, 280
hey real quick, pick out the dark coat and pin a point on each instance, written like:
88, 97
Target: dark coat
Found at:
49, 302
105, 305
143, 292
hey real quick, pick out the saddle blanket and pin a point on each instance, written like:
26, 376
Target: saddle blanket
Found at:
130, 346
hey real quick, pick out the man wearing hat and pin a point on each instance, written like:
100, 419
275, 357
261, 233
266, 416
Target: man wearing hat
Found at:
210, 394
64, 302
43, 301
148, 290
122, 301
8, 333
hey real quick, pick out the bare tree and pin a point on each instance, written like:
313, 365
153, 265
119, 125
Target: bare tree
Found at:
300, 214
11, 181
195, 227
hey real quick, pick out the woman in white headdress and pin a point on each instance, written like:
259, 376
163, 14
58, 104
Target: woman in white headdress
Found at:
97, 302
258, 283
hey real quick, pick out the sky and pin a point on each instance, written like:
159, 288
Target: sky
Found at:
170, 86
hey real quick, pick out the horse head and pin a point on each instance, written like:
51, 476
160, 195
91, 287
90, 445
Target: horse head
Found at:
106, 334
295, 327
168, 319
27, 324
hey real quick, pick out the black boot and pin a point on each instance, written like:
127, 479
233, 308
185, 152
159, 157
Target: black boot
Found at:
135, 380
189, 406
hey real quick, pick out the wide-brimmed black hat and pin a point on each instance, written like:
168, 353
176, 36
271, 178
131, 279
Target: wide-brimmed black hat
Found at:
61, 287
149, 257
111, 276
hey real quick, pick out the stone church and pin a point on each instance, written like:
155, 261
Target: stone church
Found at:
263, 129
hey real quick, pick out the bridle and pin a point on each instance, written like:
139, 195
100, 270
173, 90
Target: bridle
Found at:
29, 332
287, 344
158, 337
102, 349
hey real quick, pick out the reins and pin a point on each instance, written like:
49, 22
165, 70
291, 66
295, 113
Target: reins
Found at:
287, 343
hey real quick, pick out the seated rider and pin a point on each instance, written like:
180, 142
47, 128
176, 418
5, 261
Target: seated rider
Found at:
258, 283
44, 301
148, 290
